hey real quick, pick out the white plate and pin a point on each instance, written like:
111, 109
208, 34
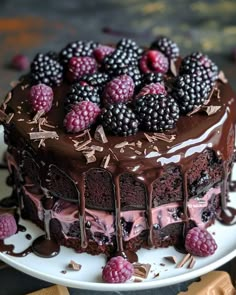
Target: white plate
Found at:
89, 277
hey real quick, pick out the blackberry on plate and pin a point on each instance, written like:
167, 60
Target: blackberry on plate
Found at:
190, 91
149, 78
46, 70
98, 80
201, 65
79, 93
77, 49
156, 112
119, 120
130, 46
168, 47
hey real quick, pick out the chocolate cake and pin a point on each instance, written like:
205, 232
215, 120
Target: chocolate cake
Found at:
116, 148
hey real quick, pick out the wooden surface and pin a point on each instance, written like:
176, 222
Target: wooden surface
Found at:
29, 27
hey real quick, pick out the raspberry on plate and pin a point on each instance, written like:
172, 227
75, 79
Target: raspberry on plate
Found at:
200, 242
81, 116
20, 62
154, 61
120, 89
41, 97
8, 226
117, 270
79, 66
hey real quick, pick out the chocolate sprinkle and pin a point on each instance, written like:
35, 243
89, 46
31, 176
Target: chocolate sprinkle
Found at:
74, 266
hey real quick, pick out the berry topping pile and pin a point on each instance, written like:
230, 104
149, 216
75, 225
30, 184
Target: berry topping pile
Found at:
200, 242
126, 88
8, 226
117, 270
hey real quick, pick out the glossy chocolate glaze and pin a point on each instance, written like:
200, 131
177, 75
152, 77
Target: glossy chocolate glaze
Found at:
194, 134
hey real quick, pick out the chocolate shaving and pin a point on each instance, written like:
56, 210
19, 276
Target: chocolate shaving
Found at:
41, 142
222, 77
23, 87
6, 100
210, 110
90, 157
9, 118
149, 138
171, 259
97, 148
74, 266
192, 262
38, 115
136, 280
43, 135
105, 161
162, 264
3, 116
113, 154
194, 111
165, 137
156, 148
173, 68
141, 270
121, 144
139, 144
100, 135
83, 145
183, 261
156, 275
122, 150
138, 152
21, 120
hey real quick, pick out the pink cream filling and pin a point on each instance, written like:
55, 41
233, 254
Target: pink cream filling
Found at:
103, 221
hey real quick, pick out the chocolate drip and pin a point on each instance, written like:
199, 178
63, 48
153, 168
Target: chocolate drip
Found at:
44, 245
8, 249
81, 185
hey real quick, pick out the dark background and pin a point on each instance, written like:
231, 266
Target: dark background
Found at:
29, 27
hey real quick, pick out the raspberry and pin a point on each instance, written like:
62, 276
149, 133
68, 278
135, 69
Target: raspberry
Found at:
41, 97
20, 62
117, 270
81, 116
101, 51
168, 47
156, 112
8, 226
154, 61
45, 69
119, 120
153, 88
200, 242
120, 89
79, 66
132, 71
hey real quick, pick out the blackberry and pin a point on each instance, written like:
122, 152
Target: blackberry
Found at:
150, 78
97, 80
168, 47
131, 47
156, 112
206, 215
200, 65
133, 72
79, 93
119, 120
117, 61
190, 91
46, 70
77, 49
